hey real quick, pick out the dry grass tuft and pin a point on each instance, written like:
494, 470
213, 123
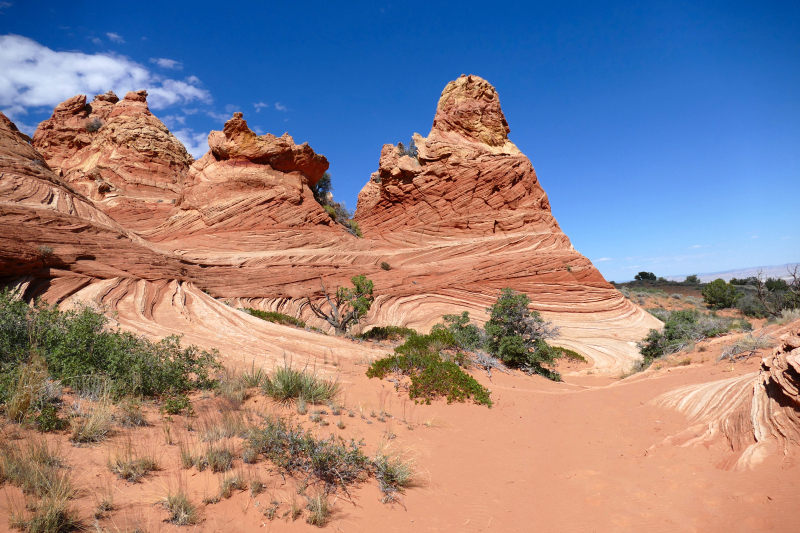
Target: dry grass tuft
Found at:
182, 512
95, 425
318, 508
131, 466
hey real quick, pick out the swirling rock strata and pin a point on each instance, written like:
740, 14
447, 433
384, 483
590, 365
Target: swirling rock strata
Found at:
756, 414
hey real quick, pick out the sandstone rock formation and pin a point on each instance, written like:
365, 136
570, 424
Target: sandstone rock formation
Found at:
117, 153
465, 219
756, 414
245, 188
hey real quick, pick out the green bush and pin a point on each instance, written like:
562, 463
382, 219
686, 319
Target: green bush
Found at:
346, 306
517, 335
720, 295
692, 279
645, 276
79, 343
387, 333
278, 318
431, 375
330, 210
750, 306
466, 336
385, 265
321, 189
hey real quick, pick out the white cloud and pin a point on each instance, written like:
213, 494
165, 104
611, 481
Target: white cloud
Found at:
4, 5
754, 237
695, 246
163, 62
96, 40
194, 80
259, 105
785, 238
222, 117
280, 107
602, 259
115, 38
172, 120
34, 76
195, 143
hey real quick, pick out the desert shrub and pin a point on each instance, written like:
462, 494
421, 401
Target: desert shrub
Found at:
676, 296
286, 384
93, 125
45, 251
692, 279
219, 458
787, 315
182, 512
387, 333
330, 210
746, 346
517, 336
776, 285
278, 318
176, 405
720, 295
750, 306
79, 343
642, 276
466, 336
385, 265
420, 358
228, 484
94, 425
570, 354
347, 306
354, 228
295, 451
684, 328
752, 280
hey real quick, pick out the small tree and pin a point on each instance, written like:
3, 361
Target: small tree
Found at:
776, 295
321, 189
467, 335
411, 150
720, 295
642, 276
347, 306
517, 335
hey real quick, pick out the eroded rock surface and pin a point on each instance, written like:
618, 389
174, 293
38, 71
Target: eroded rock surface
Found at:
117, 153
757, 414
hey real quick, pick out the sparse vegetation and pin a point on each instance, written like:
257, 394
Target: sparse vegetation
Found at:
93, 125
347, 306
692, 279
681, 330
322, 191
641, 276
394, 472
286, 384
746, 346
318, 509
411, 150
131, 466
385, 266
182, 512
274, 316
332, 461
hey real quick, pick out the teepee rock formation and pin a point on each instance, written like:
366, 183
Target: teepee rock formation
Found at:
140, 227
117, 153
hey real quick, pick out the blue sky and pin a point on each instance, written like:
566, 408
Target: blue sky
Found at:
666, 134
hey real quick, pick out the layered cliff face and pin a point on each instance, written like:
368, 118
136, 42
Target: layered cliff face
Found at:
117, 153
